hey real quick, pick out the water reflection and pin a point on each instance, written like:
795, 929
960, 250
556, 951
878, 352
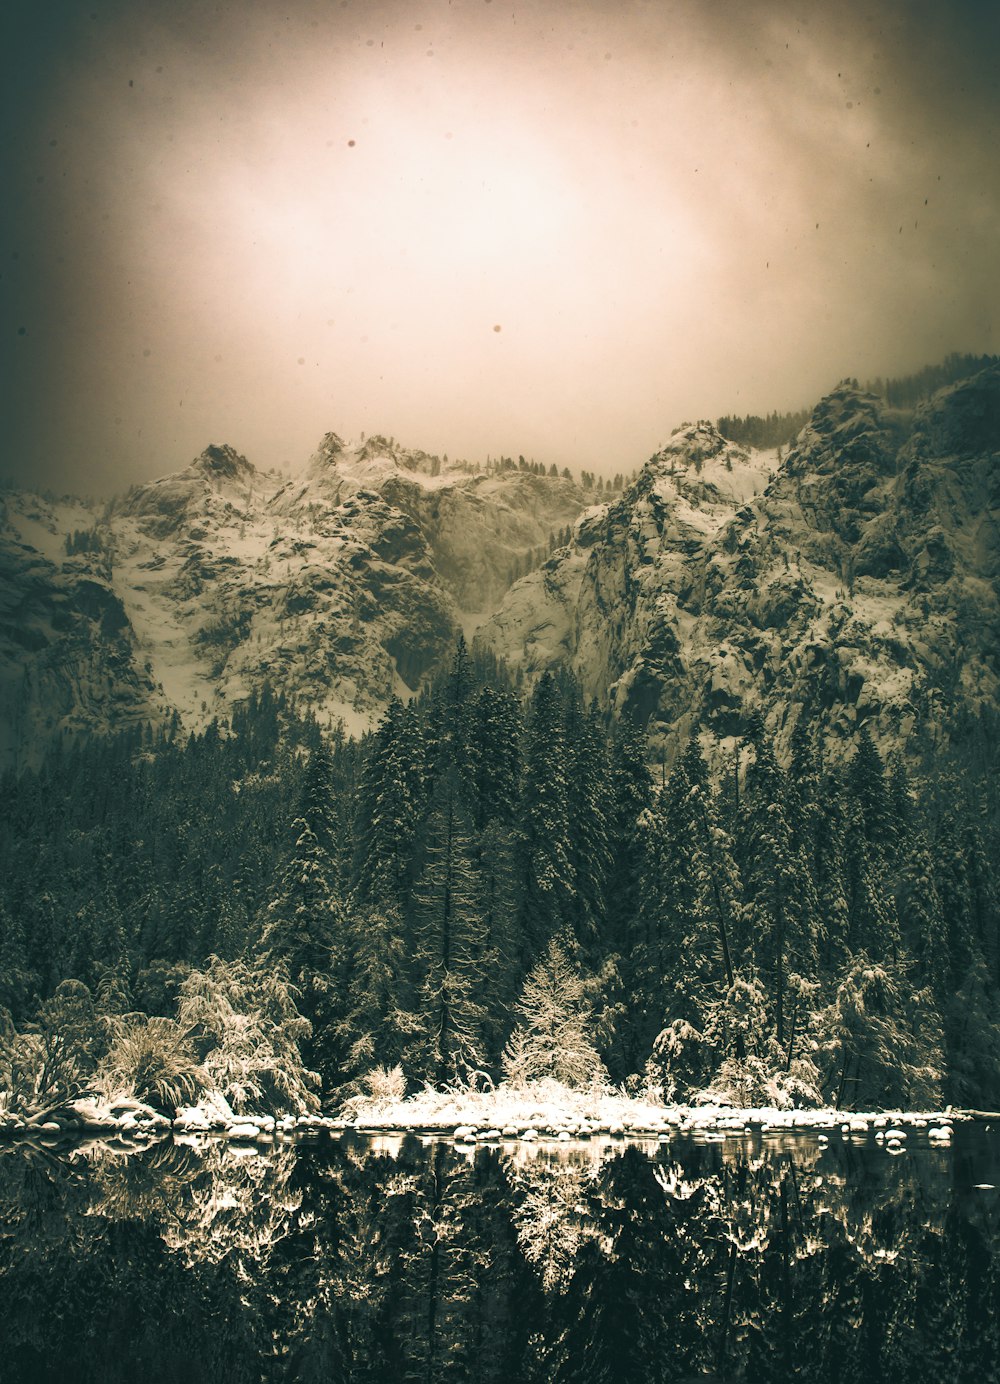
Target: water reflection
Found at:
751, 1259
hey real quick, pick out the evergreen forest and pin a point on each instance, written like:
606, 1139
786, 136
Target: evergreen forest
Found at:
495, 884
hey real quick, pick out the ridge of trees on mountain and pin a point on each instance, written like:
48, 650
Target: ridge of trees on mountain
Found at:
495, 885
902, 392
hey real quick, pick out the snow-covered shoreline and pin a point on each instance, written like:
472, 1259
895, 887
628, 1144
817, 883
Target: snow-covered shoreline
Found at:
546, 1111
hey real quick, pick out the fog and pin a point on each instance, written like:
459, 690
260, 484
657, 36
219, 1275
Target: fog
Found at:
556, 229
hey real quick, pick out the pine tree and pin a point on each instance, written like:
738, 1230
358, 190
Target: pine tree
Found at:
545, 868
16, 981
921, 915
781, 899
631, 797
498, 902
375, 1023
449, 943
867, 785
304, 919
589, 807
390, 808
495, 734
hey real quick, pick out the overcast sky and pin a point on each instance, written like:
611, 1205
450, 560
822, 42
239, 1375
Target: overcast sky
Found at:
556, 228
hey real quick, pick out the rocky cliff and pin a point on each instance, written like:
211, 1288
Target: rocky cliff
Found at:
341, 587
854, 580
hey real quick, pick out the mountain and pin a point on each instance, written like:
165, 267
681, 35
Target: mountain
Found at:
852, 581
341, 587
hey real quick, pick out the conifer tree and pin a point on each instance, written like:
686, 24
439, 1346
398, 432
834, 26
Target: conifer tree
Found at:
303, 920
545, 868
495, 734
390, 807
868, 788
630, 797
374, 1023
781, 901
16, 982
922, 917
448, 943
498, 903
589, 807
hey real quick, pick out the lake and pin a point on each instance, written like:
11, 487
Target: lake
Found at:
756, 1258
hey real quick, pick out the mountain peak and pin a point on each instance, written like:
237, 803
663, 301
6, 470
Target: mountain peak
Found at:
223, 462
698, 459
691, 445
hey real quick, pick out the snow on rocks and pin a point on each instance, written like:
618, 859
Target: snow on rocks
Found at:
544, 1112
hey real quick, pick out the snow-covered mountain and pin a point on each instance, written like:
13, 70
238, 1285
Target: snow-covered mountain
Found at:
855, 578
341, 587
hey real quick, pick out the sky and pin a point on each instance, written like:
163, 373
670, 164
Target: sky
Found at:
557, 229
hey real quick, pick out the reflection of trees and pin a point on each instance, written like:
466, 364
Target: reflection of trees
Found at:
550, 1216
330, 1262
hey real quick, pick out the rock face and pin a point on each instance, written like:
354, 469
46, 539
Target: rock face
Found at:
856, 579
340, 588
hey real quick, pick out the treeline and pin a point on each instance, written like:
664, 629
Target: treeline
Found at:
908, 390
589, 480
772, 430
905, 392
485, 870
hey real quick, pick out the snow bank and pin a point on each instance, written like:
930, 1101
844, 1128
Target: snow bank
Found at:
548, 1109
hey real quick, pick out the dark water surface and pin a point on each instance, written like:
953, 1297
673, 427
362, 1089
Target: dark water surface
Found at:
756, 1259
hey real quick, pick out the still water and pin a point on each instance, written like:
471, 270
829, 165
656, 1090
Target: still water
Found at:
331, 1259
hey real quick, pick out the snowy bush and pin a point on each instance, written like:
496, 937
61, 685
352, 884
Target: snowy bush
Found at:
152, 1060
385, 1083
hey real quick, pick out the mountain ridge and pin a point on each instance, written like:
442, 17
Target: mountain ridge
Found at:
850, 579
341, 587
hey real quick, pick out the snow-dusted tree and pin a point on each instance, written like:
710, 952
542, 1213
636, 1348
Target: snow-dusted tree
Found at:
921, 915
15, 980
782, 903
589, 803
390, 805
245, 1025
546, 870
552, 1038
495, 735
734, 1053
497, 901
882, 1039
973, 1027
304, 918
375, 1024
869, 790
693, 913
